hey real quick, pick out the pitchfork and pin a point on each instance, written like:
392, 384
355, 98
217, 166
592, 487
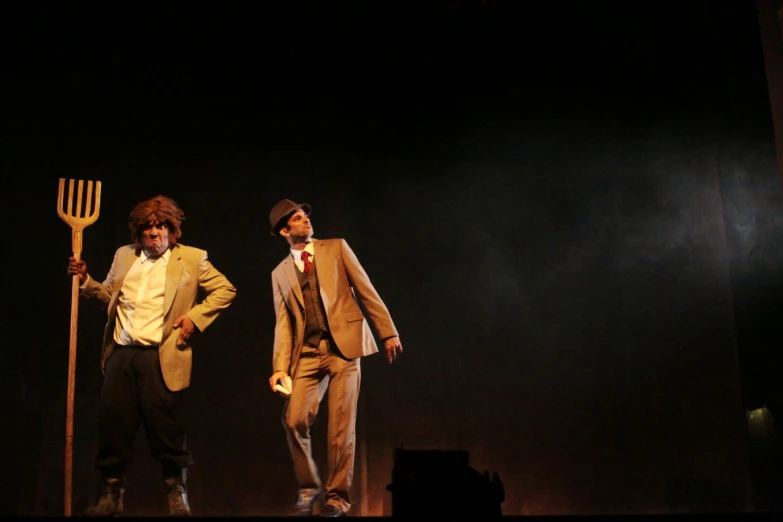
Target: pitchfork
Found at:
77, 219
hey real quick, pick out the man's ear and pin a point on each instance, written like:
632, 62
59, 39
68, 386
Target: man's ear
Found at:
285, 231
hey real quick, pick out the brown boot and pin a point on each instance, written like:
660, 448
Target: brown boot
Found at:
178, 495
110, 503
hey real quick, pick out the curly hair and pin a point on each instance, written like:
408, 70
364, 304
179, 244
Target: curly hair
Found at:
160, 208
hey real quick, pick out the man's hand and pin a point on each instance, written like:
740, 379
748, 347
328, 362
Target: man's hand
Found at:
186, 326
393, 348
77, 268
275, 379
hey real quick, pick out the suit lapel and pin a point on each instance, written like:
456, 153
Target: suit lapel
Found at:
173, 272
320, 252
293, 280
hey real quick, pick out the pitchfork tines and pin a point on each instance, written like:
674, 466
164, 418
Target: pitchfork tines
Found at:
82, 215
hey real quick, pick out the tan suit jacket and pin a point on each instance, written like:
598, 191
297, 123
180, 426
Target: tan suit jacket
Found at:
343, 284
187, 272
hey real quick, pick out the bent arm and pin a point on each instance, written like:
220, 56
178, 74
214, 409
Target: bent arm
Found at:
101, 291
219, 294
378, 314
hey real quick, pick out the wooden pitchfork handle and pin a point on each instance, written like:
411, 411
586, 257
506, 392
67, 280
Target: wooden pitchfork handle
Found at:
77, 219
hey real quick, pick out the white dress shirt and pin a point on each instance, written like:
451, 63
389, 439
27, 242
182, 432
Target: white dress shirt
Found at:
140, 306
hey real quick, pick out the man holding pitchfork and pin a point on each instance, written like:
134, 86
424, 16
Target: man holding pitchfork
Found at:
151, 293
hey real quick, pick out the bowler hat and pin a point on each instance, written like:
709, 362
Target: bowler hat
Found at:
282, 210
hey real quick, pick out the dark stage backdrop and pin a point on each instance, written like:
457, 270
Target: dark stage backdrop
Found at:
571, 211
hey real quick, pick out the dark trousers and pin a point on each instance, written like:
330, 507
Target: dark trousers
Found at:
134, 393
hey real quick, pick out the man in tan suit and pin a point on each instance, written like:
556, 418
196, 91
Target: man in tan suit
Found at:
151, 293
320, 335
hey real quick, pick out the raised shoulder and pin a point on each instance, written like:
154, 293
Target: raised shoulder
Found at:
335, 243
282, 263
188, 253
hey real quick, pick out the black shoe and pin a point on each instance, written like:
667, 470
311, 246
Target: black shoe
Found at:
330, 510
110, 503
178, 501
305, 502
178, 495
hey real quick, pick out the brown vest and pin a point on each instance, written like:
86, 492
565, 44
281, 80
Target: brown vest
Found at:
315, 315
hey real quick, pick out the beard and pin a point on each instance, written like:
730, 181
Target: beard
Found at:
302, 238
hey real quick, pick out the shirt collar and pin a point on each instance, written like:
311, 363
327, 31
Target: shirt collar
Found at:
308, 248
